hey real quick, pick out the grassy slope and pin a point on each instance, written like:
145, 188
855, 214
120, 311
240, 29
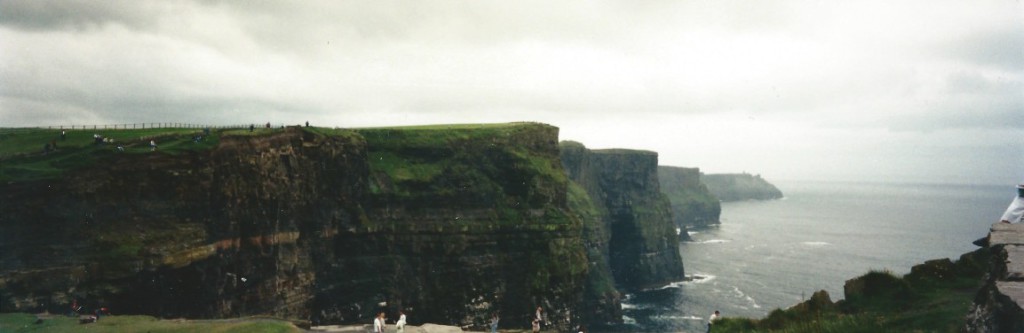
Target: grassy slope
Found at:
913, 303
22, 157
21, 322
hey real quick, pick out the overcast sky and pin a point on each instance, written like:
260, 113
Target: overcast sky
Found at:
929, 91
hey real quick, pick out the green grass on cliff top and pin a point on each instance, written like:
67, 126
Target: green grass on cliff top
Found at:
420, 153
25, 323
437, 135
22, 155
930, 303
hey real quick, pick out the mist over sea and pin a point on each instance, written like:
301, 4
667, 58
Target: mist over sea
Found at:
774, 254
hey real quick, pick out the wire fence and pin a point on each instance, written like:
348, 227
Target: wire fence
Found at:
147, 125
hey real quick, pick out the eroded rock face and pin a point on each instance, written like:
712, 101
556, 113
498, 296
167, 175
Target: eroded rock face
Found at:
642, 248
303, 226
693, 205
229, 232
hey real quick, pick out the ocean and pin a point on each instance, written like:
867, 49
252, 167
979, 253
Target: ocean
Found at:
775, 254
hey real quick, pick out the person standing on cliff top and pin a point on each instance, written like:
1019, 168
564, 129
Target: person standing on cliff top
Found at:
400, 324
494, 322
1016, 209
378, 323
711, 320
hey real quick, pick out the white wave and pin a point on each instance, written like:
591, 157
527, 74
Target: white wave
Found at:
676, 284
714, 241
739, 293
678, 317
627, 306
701, 278
691, 233
816, 243
628, 320
690, 279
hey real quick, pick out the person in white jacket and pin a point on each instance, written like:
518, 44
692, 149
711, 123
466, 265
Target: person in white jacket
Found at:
400, 324
1016, 209
378, 323
711, 320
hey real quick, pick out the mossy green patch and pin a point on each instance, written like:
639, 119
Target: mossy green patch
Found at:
881, 302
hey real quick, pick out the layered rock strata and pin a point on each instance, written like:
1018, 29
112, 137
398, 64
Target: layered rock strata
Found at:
642, 249
320, 226
693, 205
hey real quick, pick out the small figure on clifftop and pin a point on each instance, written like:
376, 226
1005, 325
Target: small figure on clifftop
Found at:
400, 324
252, 127
378, 323
711, 320
1016, 209
74, 308
152, 145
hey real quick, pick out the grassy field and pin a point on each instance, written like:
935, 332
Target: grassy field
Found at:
24, 323
23, 156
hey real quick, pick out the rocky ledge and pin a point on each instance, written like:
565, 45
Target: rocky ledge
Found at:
999, 305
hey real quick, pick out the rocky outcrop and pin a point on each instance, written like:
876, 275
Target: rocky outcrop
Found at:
307, 224
999, 304
741, 186
642, 249
693, 205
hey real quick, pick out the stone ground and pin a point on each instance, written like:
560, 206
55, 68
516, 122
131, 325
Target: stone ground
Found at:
1011, 237
425, 328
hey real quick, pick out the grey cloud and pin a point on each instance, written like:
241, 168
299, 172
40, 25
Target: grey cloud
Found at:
39, 15
1002, 48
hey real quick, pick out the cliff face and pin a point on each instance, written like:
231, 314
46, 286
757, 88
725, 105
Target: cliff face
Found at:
306, 224
642, 250
743, 186
230, 232
461, 224
693, 205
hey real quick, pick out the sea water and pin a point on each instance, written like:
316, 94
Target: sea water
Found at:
775, 254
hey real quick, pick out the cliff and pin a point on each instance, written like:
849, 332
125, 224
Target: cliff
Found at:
742, 186
227, 232
450, 224
639, 242
693, 205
